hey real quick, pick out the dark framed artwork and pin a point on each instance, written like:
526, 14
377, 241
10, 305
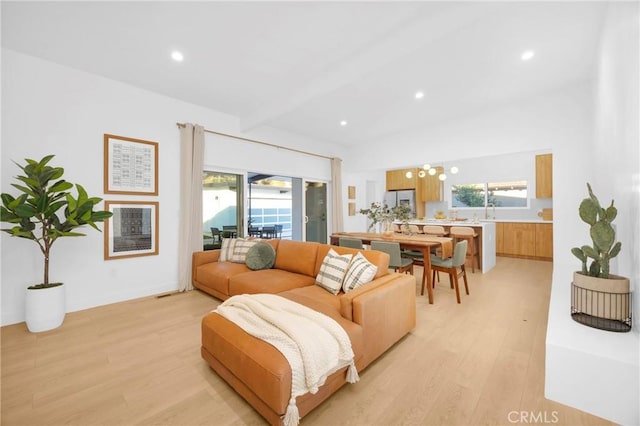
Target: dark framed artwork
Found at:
130, 166
132, 230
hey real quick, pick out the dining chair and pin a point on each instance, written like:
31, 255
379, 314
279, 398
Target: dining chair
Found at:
350, 242
450, 266
434, 230
217, 237
254, 231
268, 232
396, 261
278, 232
469, 234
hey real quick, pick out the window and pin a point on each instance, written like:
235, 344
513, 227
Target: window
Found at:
498, 194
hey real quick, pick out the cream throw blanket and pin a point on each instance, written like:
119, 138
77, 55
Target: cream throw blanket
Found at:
314, 344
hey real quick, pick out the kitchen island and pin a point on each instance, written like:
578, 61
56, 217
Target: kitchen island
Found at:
486, 237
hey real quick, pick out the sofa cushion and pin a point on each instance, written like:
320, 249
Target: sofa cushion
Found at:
332, 271
260, 256
360, 272
216, 275
298, 257
267, 281
314, 296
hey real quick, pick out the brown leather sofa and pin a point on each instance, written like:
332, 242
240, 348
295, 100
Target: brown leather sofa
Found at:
375, 316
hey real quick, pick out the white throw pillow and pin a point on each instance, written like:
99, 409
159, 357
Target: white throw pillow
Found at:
226, 250
332, 271
360, 272
240, 250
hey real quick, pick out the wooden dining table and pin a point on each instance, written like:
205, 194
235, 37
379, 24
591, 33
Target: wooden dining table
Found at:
417, 242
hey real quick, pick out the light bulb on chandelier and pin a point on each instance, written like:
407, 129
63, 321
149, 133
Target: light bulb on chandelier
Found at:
442, 176
454, 170
409, 175
422, 173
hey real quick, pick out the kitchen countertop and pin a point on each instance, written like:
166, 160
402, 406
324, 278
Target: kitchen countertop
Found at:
470, 222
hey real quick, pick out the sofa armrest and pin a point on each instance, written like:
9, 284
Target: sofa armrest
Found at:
200, 258
386, 314
346, 300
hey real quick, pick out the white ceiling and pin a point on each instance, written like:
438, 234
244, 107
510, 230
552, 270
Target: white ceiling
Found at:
304, 66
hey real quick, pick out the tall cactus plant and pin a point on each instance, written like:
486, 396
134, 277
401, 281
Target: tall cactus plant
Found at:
602, 234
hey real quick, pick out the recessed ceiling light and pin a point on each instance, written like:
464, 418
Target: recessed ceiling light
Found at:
343, 123
419, 95
527, 55
177, 56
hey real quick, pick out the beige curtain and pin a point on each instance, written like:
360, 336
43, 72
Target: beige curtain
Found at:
190, 227
337, 213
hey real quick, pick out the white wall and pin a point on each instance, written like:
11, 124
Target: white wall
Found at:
47, 108
549, 122
593, 370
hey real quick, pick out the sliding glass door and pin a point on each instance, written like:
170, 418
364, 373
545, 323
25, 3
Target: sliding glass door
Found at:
222, 211
270, 206
316, 211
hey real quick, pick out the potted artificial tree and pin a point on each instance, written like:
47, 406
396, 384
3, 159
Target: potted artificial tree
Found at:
600, 299
43, 212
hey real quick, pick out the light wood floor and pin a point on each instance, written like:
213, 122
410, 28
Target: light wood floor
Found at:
138, 362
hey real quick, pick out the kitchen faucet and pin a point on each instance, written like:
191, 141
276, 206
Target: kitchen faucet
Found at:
486, 213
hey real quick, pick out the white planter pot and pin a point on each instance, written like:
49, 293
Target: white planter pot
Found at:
45, 308
603, 297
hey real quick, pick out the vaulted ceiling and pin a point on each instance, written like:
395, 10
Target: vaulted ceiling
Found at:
306, 66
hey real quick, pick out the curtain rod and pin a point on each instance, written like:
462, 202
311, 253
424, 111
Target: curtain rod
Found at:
262, 143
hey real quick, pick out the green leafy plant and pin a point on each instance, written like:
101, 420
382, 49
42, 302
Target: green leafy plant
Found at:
35, 212
380, 212
602, 235
402, 213
377, 213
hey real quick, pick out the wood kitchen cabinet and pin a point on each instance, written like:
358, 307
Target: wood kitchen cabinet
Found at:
519, 239
526, 240
397, 179
544, 176
544, 241
430, 187
499, 238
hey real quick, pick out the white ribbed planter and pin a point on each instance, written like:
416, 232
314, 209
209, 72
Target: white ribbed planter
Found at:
603, 303
45, 308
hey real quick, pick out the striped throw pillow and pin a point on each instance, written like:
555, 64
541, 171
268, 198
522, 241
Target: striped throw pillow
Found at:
241, 249
332, 271
226, 250
360, 272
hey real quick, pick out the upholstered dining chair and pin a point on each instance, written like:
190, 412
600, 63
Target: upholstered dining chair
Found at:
350, 242
396, 261
469, 234
434, 230
450, 266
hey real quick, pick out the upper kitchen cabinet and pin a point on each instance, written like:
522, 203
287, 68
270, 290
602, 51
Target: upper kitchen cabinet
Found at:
544, 176
397, 179
430, 187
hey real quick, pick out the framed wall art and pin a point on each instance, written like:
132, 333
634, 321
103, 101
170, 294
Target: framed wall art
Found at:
352, 208
132, 230
130, 166
352, 192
